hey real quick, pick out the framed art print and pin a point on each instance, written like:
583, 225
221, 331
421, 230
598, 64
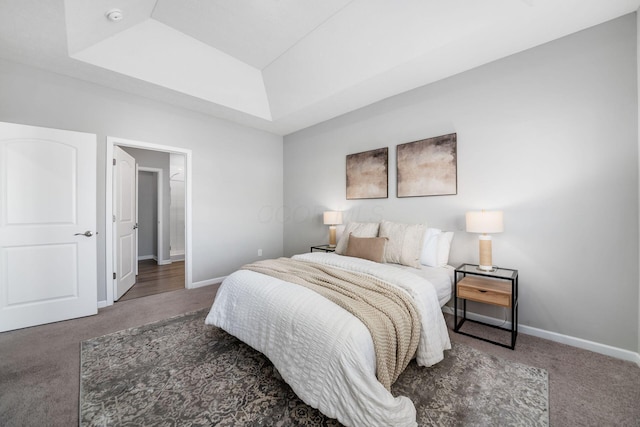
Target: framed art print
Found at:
368, 174
428, 167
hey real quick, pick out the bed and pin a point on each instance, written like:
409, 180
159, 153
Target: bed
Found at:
441, 278
321, 350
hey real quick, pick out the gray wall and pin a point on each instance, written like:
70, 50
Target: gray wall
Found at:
158, 160
147, 215
237, 171
550, 136
638, 73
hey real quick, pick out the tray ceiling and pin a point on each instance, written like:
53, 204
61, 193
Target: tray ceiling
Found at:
282, 65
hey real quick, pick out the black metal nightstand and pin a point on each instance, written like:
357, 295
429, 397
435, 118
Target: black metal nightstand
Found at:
325, 248
498, 287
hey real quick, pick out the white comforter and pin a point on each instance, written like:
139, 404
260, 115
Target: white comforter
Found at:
322, 351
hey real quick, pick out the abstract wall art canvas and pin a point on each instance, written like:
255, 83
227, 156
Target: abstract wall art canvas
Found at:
367, 174
428, 167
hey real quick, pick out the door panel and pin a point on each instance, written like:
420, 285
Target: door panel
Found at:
54, 279
126, 267
28, 200
124, 198
47, 196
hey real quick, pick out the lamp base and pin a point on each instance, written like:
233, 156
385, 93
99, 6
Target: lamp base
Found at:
486, 268
332, 236
486, 263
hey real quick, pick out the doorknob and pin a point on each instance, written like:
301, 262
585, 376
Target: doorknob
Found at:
86, 233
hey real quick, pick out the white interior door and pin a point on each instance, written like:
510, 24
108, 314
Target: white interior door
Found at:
124, 206
47, 225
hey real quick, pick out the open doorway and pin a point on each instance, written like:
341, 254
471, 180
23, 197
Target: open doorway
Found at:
156, 203
162, 257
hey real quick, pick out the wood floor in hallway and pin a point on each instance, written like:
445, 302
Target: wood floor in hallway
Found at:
154, 279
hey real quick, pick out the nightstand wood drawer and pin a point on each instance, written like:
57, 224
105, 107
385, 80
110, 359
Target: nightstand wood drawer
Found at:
485, 290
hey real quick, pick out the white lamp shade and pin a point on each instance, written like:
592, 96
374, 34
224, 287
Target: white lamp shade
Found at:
485, 222
332, 218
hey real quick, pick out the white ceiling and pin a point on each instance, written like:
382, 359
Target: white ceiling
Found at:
282, 65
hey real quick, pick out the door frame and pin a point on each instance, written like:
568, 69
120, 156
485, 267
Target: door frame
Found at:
159, 209
109, 260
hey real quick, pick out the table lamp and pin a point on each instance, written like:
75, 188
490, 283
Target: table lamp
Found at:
485, 222
332, 218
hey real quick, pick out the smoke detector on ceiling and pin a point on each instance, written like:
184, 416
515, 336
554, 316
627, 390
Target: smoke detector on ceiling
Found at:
114, 15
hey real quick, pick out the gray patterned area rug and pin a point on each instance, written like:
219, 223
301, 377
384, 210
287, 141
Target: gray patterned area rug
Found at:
180, 372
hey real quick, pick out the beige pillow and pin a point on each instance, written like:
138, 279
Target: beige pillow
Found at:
358, 229
405, 242
371, 248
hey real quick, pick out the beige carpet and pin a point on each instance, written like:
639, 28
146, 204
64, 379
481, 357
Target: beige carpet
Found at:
39, 367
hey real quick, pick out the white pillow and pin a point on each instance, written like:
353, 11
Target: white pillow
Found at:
444, 246
359, 229
405, 242
436, 247
429, 255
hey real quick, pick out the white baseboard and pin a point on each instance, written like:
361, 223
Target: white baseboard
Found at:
102, 304
155, 258
605, 349
177, 257
207, 282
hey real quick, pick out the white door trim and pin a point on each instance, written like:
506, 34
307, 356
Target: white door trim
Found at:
160, 223
137, 234
111, 141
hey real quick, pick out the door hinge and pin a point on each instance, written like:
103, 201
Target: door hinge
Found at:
114, 276
114, 218
114, 162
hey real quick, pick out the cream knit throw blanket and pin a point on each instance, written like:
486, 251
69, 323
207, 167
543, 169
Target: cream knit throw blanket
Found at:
387, 311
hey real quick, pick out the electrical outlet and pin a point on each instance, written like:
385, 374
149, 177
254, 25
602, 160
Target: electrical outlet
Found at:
259, 252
